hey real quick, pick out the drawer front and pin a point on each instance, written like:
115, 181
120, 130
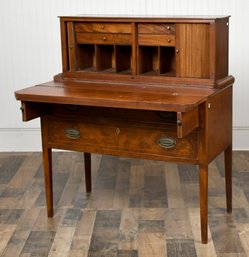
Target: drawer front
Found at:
187, 122
126, 138
156, 40
103, 38
156, 141
103, 27
156, 29
85, 133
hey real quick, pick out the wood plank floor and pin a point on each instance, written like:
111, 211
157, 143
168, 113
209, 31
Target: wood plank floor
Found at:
137, 208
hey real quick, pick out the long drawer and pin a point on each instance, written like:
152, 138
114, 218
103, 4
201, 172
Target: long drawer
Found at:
125, 138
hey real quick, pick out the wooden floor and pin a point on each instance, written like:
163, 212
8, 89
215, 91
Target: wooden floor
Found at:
137, 208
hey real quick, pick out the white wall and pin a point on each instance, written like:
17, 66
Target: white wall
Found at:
30, 53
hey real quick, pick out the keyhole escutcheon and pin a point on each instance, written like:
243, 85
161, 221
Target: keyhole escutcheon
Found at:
117, 131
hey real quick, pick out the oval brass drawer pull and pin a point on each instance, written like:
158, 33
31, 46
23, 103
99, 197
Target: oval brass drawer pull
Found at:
167, 142
72, 133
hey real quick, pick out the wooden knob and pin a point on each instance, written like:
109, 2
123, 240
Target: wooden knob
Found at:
169, 40
168, 27
102, 27
177, 50
104, 38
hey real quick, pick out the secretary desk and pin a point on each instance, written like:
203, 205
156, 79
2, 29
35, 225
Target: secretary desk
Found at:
145, 87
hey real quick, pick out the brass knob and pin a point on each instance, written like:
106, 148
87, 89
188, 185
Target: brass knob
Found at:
177, 50
104, 38
169, 40
102, 27
179, 122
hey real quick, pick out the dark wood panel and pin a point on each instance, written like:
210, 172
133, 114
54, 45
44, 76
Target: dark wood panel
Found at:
222, 48
192, 43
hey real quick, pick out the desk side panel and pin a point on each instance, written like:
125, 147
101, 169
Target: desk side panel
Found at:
219, 123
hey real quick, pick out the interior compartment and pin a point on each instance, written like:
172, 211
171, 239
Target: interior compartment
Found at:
148, 63
86, 56
123, 59
156, 60
105, 58
167, 61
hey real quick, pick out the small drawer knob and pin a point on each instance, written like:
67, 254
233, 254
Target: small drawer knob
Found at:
102, 27
168, 28
177, 51
179, 122
169, 40
104, 38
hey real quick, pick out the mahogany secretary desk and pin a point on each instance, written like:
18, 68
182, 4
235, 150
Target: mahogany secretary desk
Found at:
145, 87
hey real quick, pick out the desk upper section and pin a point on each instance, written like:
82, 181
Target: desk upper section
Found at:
150, 49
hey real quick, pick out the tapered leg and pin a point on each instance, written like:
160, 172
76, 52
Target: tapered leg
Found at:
203, 183
87, 159
47, 163
228, 177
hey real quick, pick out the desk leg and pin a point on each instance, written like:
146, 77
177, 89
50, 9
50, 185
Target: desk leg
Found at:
228, 177
47, 166
47, 163
203, 184
87, 159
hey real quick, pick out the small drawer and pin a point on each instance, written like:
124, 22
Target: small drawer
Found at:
103, 27
156, 40
187, 122
168, 29
103, 38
